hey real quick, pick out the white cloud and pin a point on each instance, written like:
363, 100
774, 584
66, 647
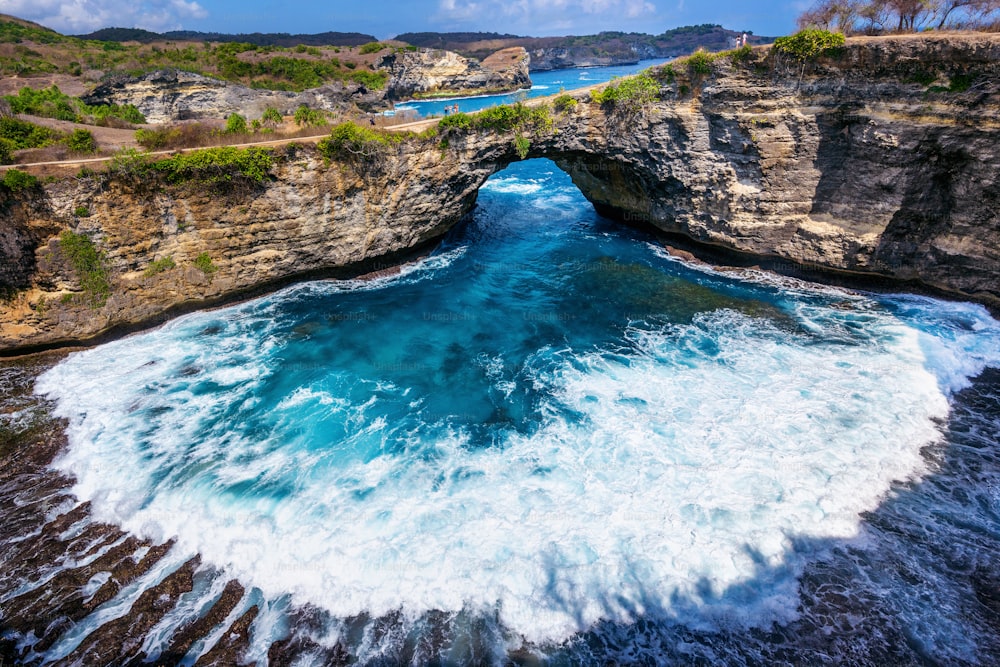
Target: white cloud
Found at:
531, 14
81, 16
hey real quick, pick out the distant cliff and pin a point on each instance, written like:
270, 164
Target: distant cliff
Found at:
435, 72
602, 49
879, 162
169, 95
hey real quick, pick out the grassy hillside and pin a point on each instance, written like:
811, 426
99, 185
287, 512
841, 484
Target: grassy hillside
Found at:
28, 49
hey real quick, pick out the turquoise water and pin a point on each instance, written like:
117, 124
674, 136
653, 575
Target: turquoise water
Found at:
548, 430
543, 84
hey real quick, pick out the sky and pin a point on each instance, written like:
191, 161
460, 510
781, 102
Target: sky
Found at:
383, 18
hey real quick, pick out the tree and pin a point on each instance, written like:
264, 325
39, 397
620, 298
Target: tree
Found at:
878, 16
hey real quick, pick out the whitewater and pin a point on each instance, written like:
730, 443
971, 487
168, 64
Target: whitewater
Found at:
549, 429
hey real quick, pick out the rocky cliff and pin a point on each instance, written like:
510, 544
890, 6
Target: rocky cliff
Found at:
432, 72
882, 161
168, 95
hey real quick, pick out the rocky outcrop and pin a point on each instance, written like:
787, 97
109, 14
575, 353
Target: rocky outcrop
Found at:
434, 72
169, 95
883, 163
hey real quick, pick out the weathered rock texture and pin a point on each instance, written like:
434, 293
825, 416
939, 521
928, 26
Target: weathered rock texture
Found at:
430, 72
883, 162
169, 95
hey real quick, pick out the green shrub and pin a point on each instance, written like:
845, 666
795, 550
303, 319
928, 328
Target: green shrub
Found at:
88, 263
271, 116
203, 262
514, 118
564, 103
218, 166
236, 124
370, 80
809, 44
740, 55
156, 138
522, 145
129, 164
53, 103
163, 264
6, 151
22, 134
309, 117
371, 47
16, 180
699, 63
629, 94
81, 141
81, 212
458, 120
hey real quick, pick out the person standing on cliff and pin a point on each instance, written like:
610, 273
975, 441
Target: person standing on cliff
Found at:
743, 40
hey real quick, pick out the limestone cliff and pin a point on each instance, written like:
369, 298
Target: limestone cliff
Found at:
883, 161
429, 72
169, 95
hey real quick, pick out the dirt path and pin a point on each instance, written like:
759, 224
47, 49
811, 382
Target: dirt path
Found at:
118, 138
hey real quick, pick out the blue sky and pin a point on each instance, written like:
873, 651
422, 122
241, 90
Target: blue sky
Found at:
383, 18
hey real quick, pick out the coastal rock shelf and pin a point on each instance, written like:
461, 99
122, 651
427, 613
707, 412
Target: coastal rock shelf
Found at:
880, 163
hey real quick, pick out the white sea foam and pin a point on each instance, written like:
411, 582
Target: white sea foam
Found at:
672, 480
513, 185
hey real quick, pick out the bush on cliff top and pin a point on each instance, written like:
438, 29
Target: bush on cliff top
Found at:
809, 44
629, 94
219, 166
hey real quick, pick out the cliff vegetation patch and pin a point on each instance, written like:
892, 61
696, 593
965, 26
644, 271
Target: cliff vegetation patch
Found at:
89, 265
810, 44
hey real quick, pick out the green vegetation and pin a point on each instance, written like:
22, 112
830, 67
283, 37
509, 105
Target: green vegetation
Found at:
128, 164
6, 151
564, 103
81, 141
53, 103
304, 116
16, 181
81, 212
521, 146
514, 118
699, 63
271, 117
351, 142
372, 47
809, 44
629, 94
218, 166
236, 124
203, 262
88, 263
460, 120
163, 264
22, 134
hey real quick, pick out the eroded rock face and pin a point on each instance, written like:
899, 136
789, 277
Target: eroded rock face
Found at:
429, 72
848, 165
170, 95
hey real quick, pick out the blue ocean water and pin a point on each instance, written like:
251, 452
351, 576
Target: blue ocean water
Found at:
548, 430
543, 84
